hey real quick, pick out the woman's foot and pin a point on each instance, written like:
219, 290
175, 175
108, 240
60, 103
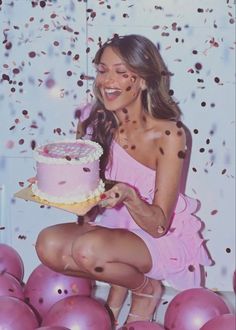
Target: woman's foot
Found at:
116, 298
145, 300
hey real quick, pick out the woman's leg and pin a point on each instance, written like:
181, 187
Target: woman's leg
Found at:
115, 256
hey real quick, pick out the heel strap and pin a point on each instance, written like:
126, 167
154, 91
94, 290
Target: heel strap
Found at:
141, 286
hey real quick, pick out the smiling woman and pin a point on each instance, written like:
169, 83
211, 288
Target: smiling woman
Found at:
146, 231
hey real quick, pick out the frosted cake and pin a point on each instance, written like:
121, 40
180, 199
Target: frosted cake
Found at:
68, 171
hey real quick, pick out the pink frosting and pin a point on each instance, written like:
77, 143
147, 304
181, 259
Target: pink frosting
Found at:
66, 179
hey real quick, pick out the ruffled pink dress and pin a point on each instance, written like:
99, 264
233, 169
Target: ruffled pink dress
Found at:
176, 256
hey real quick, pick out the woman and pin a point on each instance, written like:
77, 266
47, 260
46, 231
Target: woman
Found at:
146, 231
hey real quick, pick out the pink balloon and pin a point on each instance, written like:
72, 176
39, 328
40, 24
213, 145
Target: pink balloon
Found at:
10, 286
16, 315
11, 262
226, 321
142, 325
45, 287
192, 308
78, 312
52, 328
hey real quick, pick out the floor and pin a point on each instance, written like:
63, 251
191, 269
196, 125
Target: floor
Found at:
101, 291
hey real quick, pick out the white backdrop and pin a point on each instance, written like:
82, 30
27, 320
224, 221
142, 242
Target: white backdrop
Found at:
46, 75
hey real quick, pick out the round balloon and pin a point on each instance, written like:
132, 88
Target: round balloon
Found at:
11, 262
192, 308
226, 321
16, 315
141, 325
52, 328
45, 287
10, 286
78, 312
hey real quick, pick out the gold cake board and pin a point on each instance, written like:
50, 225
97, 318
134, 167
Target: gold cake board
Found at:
78, 208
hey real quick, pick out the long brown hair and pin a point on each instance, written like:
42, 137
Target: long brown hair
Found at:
143, 58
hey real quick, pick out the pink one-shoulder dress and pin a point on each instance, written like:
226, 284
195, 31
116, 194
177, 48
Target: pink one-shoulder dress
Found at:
178, 256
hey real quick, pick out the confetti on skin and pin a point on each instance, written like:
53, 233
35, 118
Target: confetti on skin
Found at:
86, 169
99, 269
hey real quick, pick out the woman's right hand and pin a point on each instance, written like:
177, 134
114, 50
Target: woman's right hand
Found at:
32, 180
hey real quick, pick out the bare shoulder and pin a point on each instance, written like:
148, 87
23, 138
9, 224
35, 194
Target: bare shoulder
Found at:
172, 136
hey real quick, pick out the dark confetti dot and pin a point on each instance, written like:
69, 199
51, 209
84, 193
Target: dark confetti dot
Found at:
5, 77
217, 79
117, 195
198, 66
80, 83
195, 131
21, 141
32, 54
179, 124
59, 291
68, 158
125, 110
13, 89
202, 149
203, 104
128, 88
228, 250
194, 52
179, 133
65, 291
181, 154
8, 45
76, 57
207, 141
25, 112
194, 169
61, 182
42, 4
87, 50
99, 269
161, 150
33, 144
213, 212
21, 184
133, 147
171, 92
165, 302
69, 73
56, 43
200, 10
41, 300
86, 169
16, 71
12, 127
224, 171
191, 268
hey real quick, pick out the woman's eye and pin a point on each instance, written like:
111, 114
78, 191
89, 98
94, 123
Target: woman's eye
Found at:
101, 71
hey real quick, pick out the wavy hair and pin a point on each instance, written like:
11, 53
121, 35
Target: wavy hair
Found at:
143, 58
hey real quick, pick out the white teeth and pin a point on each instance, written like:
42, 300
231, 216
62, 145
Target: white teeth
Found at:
111, 90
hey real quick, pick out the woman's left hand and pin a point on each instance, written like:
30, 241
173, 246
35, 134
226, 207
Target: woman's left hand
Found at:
116, 195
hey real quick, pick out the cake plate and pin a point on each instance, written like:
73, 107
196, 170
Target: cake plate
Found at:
78, 208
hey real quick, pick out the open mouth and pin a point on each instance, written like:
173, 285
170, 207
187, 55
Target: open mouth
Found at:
111, 93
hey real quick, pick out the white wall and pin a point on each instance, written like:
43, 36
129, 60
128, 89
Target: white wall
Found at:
179, 27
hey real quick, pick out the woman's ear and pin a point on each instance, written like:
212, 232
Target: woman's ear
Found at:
143, 85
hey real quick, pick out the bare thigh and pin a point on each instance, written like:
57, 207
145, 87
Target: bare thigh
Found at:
106, 245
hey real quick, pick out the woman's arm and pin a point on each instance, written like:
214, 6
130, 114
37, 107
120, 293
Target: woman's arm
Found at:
155, 218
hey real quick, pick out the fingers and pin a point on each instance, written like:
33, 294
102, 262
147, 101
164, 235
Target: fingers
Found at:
110, 198
32, 180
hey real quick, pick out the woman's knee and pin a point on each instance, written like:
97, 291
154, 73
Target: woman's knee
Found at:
88, 250
47, 246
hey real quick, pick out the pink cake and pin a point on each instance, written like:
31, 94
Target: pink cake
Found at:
68, 171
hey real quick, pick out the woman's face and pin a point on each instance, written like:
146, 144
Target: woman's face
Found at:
118, 85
